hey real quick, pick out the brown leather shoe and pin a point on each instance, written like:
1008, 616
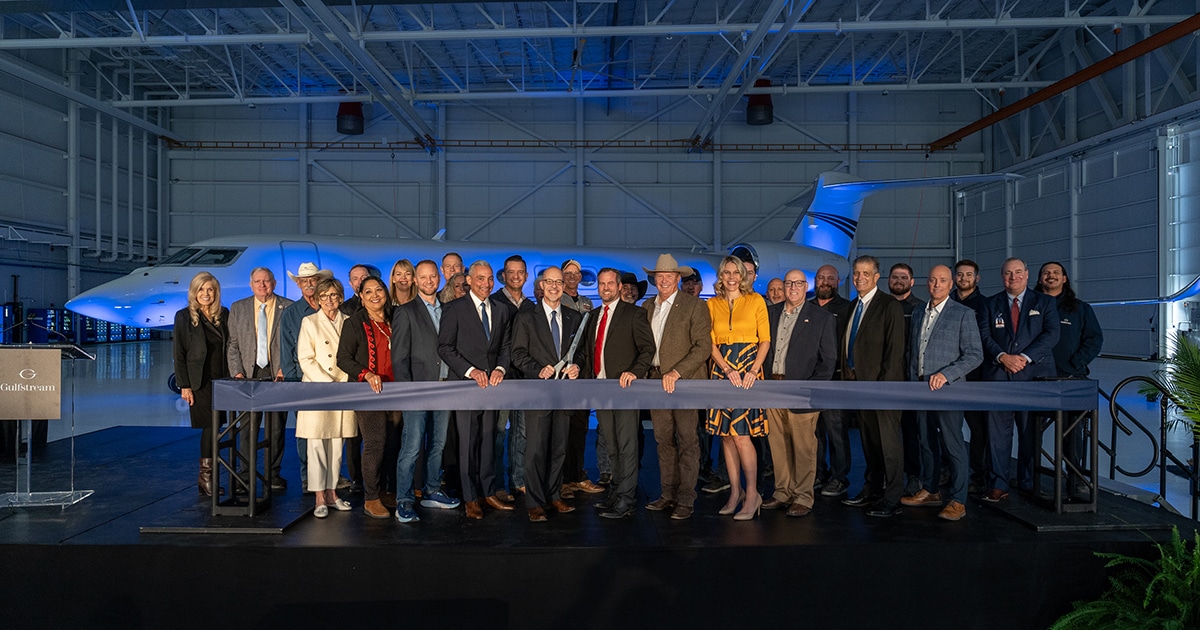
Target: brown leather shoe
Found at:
681, 512
995, 495
388, 499
474, 509
953, 511
797, 510
567, 491
923, 498
504, 496
497, 504
537, 515
773, 504
562, 506
374, 508
660, 504
520, 489
587, 486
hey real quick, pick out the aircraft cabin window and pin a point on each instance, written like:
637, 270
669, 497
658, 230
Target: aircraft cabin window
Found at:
216, 258
589, 278
180, 257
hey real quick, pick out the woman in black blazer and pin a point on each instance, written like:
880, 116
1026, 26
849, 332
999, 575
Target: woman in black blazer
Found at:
201, 331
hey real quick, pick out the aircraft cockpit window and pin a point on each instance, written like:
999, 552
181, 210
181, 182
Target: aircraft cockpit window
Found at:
589, 278
216, 258
180, 257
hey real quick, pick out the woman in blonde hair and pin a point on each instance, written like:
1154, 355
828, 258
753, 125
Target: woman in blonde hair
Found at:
403, 288
741, 335
201, 330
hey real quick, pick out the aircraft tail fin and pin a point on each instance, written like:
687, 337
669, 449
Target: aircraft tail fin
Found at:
831, 220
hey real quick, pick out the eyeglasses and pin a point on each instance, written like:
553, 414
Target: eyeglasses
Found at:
553, 283
795, 283
329, 297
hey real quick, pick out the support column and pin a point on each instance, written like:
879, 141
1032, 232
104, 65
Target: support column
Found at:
718, 244
852, 130
439, 189
302, 168
580, 176
74, 258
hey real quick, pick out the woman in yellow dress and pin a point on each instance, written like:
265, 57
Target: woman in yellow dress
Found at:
740, 338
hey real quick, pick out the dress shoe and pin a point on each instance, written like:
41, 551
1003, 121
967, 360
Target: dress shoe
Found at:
497, 504
388, 499
504, 496
562, 507
715, 486
953, 511
474, 510
798, 510
520, 489
660, 504
374, 508
356, 487
605, 503
884, 509
750, 510
834, 488
341, 505
537, 515
681, 512
995, 495
590, 488
605, 479
279, 484
617, 511
862, 499
923, 498
773, 504
321, 511
912, 485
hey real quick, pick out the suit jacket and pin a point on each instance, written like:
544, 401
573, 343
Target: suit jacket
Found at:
953, 348
243, 342
462, 343
191, 350
879, 345
686, 341
1037, 332
812, 347
415, 343
533, 344
316, 354
629, 344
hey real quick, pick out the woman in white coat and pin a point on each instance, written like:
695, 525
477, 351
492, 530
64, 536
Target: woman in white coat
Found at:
325, 430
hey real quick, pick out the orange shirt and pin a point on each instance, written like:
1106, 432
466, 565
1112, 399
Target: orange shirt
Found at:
746, 322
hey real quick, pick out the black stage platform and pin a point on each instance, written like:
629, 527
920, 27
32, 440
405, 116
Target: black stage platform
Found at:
92, 565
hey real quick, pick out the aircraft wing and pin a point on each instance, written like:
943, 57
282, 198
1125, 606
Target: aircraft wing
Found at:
919, 182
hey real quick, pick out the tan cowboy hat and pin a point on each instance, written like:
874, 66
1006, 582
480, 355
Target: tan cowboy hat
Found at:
666, 263
308, 270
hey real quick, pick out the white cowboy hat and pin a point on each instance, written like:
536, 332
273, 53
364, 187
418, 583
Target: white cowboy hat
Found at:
308, 270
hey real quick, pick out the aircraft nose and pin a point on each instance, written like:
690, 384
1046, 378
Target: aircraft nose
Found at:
132, 303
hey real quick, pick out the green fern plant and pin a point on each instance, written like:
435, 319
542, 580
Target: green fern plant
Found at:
1162, 594
1180, 378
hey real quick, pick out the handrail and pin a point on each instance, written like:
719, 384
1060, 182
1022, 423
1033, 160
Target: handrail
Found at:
1113, 408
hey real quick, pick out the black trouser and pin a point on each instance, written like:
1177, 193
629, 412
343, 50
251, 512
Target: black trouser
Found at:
545, 452
884, 451
577, 428
977, 423
833, 435
476, 453
620, 429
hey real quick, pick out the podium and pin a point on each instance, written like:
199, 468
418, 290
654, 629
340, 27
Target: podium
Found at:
31, 387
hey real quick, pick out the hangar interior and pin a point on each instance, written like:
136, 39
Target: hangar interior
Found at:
131, 129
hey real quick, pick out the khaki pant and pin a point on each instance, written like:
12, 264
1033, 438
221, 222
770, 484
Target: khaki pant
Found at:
793, 441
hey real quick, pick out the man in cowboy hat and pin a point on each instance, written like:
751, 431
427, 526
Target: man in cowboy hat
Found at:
682, 332
633, 289
306, 278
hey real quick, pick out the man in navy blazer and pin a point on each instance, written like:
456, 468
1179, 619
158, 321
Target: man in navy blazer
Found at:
415, 326
1019, 350
542, 340
803, 348
943, 347
474, 340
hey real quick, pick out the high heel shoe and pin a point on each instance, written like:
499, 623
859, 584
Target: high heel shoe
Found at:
747, 514
730, 507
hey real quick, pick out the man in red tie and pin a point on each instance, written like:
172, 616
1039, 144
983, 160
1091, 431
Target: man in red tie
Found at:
620, 346
1018, 329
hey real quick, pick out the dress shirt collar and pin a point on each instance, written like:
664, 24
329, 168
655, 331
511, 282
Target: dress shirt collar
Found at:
658, 301
477, 301
870, 295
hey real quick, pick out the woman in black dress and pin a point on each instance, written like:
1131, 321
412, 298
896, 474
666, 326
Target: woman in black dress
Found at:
201, 331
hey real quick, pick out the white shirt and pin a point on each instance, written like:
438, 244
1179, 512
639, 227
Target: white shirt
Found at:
930, 317
866, 302
609, 307
662, 308
491, 313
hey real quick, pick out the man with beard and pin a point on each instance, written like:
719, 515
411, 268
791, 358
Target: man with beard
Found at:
833, 426
306, 278
512, 294
900, 284
967, 293
574, 476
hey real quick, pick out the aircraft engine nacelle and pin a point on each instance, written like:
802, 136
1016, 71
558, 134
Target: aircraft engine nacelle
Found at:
775, 258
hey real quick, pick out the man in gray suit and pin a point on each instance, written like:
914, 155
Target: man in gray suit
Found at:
254, 352
682, 332
943, 347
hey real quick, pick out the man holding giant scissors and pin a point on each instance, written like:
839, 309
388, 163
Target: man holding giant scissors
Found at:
543, 346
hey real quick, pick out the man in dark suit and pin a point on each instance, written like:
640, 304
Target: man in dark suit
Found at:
512, 295
682, 332
875, 352
619, 345
900, 284
254, 352
833, 425
803, 348
967, 293
943, 347
415, 358
1018, 328
542, 339
474, 341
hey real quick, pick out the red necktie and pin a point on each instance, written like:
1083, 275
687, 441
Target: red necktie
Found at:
600, 341
1016, 313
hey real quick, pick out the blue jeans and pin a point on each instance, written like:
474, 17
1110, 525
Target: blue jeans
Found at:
514, 420
417, 426
943, 430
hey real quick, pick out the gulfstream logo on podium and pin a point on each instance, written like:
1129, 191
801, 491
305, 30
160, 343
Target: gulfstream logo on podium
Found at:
27, 375
30, 383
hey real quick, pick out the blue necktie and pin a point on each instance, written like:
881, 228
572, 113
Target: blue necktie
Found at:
554, 332
853, 333
487, 326
264, 352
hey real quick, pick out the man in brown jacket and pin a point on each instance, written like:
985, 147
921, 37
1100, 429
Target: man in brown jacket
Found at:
683, 336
